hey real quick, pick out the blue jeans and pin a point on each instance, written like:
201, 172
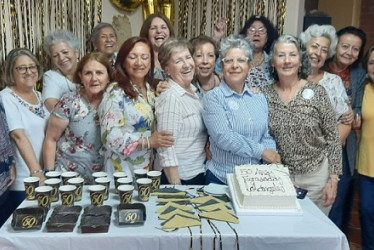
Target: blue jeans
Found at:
340, 212
211, 178
197, 180
10, 203
366, 185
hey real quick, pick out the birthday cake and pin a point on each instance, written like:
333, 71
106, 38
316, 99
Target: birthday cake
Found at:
264, 187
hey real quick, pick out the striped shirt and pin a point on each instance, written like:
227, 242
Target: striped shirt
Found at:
238, 128
179, 111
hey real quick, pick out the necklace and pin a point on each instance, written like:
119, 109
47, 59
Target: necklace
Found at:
258, 62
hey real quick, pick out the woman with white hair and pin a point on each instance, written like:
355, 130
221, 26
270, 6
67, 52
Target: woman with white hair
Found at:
320, 42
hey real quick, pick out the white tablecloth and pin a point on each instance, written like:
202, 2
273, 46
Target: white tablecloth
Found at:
311, 230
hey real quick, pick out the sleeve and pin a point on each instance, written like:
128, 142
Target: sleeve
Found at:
341, 99
358, 81
116, 132
12, 112
219, 130
169, 118
66, 107
51, 88
330, 132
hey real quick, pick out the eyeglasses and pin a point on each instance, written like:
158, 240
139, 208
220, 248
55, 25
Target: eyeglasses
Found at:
253, 30
23, 69
239, 60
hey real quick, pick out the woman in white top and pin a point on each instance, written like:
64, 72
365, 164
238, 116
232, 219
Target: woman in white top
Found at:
320, 42
63, 47
179, 110
26, 116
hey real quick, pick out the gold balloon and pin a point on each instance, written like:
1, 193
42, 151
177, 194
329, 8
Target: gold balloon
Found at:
127, 5
149, 7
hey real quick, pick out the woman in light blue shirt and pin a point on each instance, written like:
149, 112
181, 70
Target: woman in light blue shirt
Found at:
235, 117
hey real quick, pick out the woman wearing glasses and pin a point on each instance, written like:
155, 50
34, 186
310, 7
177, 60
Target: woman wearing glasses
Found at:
26, 116
236, 118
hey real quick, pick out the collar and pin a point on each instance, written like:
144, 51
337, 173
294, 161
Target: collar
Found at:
227, 91
181, 91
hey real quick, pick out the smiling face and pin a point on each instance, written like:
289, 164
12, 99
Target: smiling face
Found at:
318, 51
286, 60
181, 67
64, 57
106, 42
237, 71
138, 62
205, 59
370, 67
27, 79
258, 34
348, 50
158, 33
94, 77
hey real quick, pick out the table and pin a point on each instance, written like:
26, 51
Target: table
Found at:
311, 230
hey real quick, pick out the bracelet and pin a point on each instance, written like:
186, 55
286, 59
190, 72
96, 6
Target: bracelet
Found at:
148, 144
37, 171
143, 143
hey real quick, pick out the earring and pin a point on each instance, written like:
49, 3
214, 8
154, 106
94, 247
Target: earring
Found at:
272, 70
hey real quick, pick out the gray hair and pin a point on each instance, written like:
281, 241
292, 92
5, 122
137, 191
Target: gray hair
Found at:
327, 31
96, 31
58, 36
240, 42
305, 64
171, 46
10, 62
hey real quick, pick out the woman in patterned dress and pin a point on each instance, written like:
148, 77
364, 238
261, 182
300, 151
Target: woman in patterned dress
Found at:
127, 111
72, 140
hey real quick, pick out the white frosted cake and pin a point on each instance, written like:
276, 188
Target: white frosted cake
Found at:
264, 187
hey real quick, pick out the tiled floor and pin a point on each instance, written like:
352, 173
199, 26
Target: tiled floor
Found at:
354, 228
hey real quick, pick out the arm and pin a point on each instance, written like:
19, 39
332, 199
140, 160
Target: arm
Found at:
344, 131
50, 103
13, 174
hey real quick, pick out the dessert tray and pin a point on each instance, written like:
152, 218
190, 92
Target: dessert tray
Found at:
245, 211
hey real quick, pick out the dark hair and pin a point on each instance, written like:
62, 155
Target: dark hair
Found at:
350, 30
203, 39
271, 31
120, 74
147, 24
94, 56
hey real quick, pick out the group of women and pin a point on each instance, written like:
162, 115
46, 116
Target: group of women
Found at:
296, 101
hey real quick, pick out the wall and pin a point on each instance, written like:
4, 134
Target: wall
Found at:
366, 21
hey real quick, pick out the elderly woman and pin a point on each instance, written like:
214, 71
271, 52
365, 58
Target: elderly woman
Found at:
127, 110
72, 140
104, 39
26, 117
178, 110
320, 42
365, 159
303, 123
157, 28
349, 51
63, 47
233, 139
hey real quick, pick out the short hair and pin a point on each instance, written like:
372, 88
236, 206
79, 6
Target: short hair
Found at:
58, 36
237, 41
366, 57
120, 74
327, 31
97, 29
203, 39
10, 62
93, 56
171, 46
272, 33
356, 32
305, 64
147, 24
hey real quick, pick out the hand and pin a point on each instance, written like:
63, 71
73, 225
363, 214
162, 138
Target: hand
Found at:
220, 29
347, 118
162, 139
41, 176
271, 156
13, 172
208, 153
172, 174
161, 87
356, 124
329, 192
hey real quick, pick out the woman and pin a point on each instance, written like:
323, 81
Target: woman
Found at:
178, 110
7, 168
26, 117
63, 47
126, 112
234, 140
205, 54
349, 51
262, 33
72, 140
303, 123
157, 28
104, 39
320, 42
365, 160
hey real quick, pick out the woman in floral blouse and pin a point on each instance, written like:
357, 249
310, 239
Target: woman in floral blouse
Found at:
127, 111
74, 125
